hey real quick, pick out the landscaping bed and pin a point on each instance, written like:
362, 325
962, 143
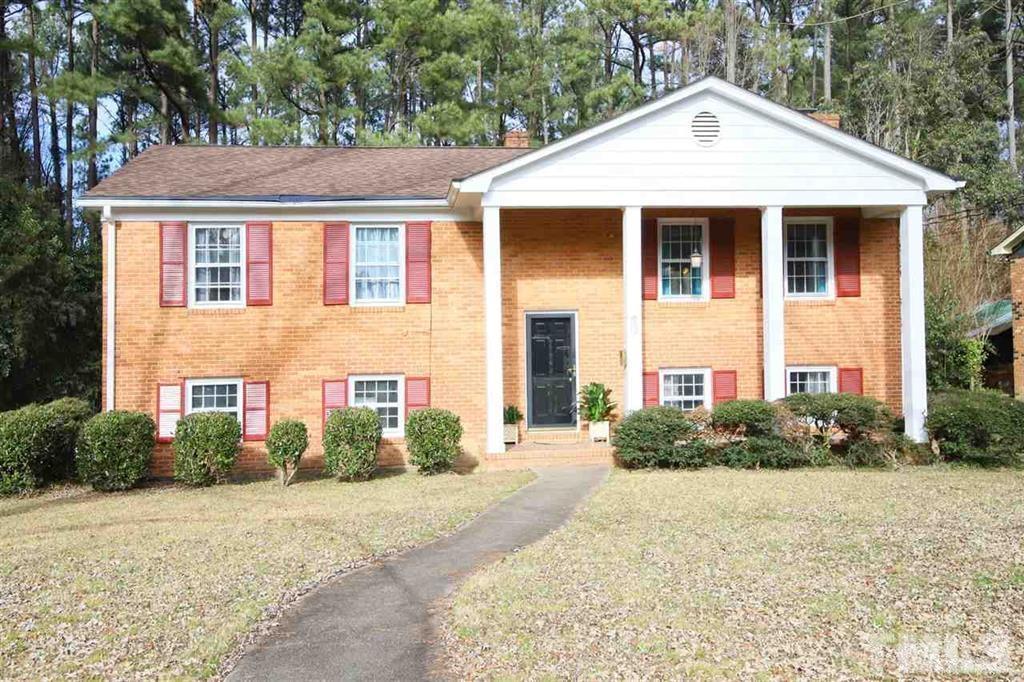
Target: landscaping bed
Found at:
166, 581
827, 573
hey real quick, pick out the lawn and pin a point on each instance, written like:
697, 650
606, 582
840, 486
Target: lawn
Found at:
164, 582
760, 574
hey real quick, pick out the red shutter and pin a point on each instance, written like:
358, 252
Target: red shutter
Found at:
847, 256
256, 410
336, 263
173, 261
170, 405
650, 389
259, 264
417, 262
335, 395
417, 393
723, 383
723, 258
851, 380
649, 247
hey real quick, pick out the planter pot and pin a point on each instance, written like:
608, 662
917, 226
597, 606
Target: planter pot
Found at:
599, 431
512, 434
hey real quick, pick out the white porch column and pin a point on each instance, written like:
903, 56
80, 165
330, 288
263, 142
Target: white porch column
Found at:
632, 310
915, 380
492, 329
773, 303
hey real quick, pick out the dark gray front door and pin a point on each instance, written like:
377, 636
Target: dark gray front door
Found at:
551, 362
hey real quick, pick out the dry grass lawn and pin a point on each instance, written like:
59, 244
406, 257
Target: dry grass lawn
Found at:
761, 575
165, 582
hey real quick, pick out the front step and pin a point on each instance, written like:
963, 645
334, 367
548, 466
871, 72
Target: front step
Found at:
527, 455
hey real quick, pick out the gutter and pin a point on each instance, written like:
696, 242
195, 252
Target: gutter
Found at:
149, 202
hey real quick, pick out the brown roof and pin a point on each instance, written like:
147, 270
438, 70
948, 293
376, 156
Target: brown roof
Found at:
298, 173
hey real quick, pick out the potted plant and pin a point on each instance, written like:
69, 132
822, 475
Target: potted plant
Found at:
596, 407
512, 418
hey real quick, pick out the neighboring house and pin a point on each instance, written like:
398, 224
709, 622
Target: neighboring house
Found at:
1013, 248
994, 322
706, 246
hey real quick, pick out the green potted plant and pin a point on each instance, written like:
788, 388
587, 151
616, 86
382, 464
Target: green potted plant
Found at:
512, 418
596, 407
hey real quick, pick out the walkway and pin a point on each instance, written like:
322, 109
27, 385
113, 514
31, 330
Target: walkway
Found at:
377, 622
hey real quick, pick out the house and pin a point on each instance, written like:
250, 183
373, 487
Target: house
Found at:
706, 246
994, 322
1012, 248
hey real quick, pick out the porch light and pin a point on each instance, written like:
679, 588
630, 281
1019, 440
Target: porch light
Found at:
695, 259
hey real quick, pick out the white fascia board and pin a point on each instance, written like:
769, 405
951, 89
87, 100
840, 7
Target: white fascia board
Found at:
932, 181
1008, 245
704, 199
100, 202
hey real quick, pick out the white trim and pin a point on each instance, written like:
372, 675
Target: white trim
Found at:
632, 309
212, 381
830, 274
400, 378
127, 202
191, 275
705, 269
708, 388
912, 323
576, 359
833, 375
1009, 245
773, 303
353, 299
111, 306
717, 198
493, 351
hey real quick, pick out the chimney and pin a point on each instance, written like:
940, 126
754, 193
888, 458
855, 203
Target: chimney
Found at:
826, 117
520, 139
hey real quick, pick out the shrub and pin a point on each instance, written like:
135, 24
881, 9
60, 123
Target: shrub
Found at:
351, 439
595, 402
652, 436
433, 436
763, 452
745, 417
856, 416
37, 443
114, 449
986, 427
205, 447
286, 443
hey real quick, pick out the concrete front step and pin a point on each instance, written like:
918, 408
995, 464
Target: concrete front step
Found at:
528, 454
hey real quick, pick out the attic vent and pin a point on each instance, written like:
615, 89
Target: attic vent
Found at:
705, 128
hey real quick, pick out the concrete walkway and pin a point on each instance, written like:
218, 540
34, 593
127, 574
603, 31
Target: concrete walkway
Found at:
377, 622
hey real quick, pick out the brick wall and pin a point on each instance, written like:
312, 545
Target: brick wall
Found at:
1017, 296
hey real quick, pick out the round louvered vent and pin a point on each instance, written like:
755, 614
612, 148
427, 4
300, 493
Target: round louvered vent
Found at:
705, 128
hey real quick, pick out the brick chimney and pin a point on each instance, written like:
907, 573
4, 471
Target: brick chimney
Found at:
520, 139
826, 117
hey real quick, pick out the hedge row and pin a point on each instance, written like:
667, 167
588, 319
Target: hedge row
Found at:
37, 443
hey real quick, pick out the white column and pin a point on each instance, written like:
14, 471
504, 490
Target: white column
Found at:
110, 227
492, 329
632, 310
915, 380
773, 303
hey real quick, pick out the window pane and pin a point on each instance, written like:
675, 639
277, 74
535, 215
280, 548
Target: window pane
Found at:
807, 259
218, 264
380, 395
683, 390
377, 264
215, 398
803, 381
678, 244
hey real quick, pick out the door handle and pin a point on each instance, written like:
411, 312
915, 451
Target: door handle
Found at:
571, 371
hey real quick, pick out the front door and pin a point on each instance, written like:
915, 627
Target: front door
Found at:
551, 368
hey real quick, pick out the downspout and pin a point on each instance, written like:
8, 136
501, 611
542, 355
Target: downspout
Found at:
111, 302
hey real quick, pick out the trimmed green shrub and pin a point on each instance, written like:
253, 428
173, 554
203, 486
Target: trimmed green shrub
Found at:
206, 446
432, 436
286, 443
985, 426
114, 449
658, 437
37, 443
856, 416
763, 452
746, 417
351, 438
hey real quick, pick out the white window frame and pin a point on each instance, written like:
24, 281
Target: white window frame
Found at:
705, 267
833, 375
240, 383
353, 298
708, 388
830, 270
351, 388
192, 302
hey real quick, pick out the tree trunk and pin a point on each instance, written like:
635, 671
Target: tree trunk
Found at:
165, 119
69, 131
10, 154
1011, 121
652, 68
949, 22
826, 66
54, 139
33, 85
92, 174
254, 94
214, 83
731, 39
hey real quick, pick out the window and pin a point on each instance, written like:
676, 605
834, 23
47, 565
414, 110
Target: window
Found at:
685, 389
214, 395
809, 264
218, 254
810, 380
377, 265
682, 258
385, 395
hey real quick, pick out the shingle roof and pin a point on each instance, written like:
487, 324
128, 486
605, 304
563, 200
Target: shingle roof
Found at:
297, 173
